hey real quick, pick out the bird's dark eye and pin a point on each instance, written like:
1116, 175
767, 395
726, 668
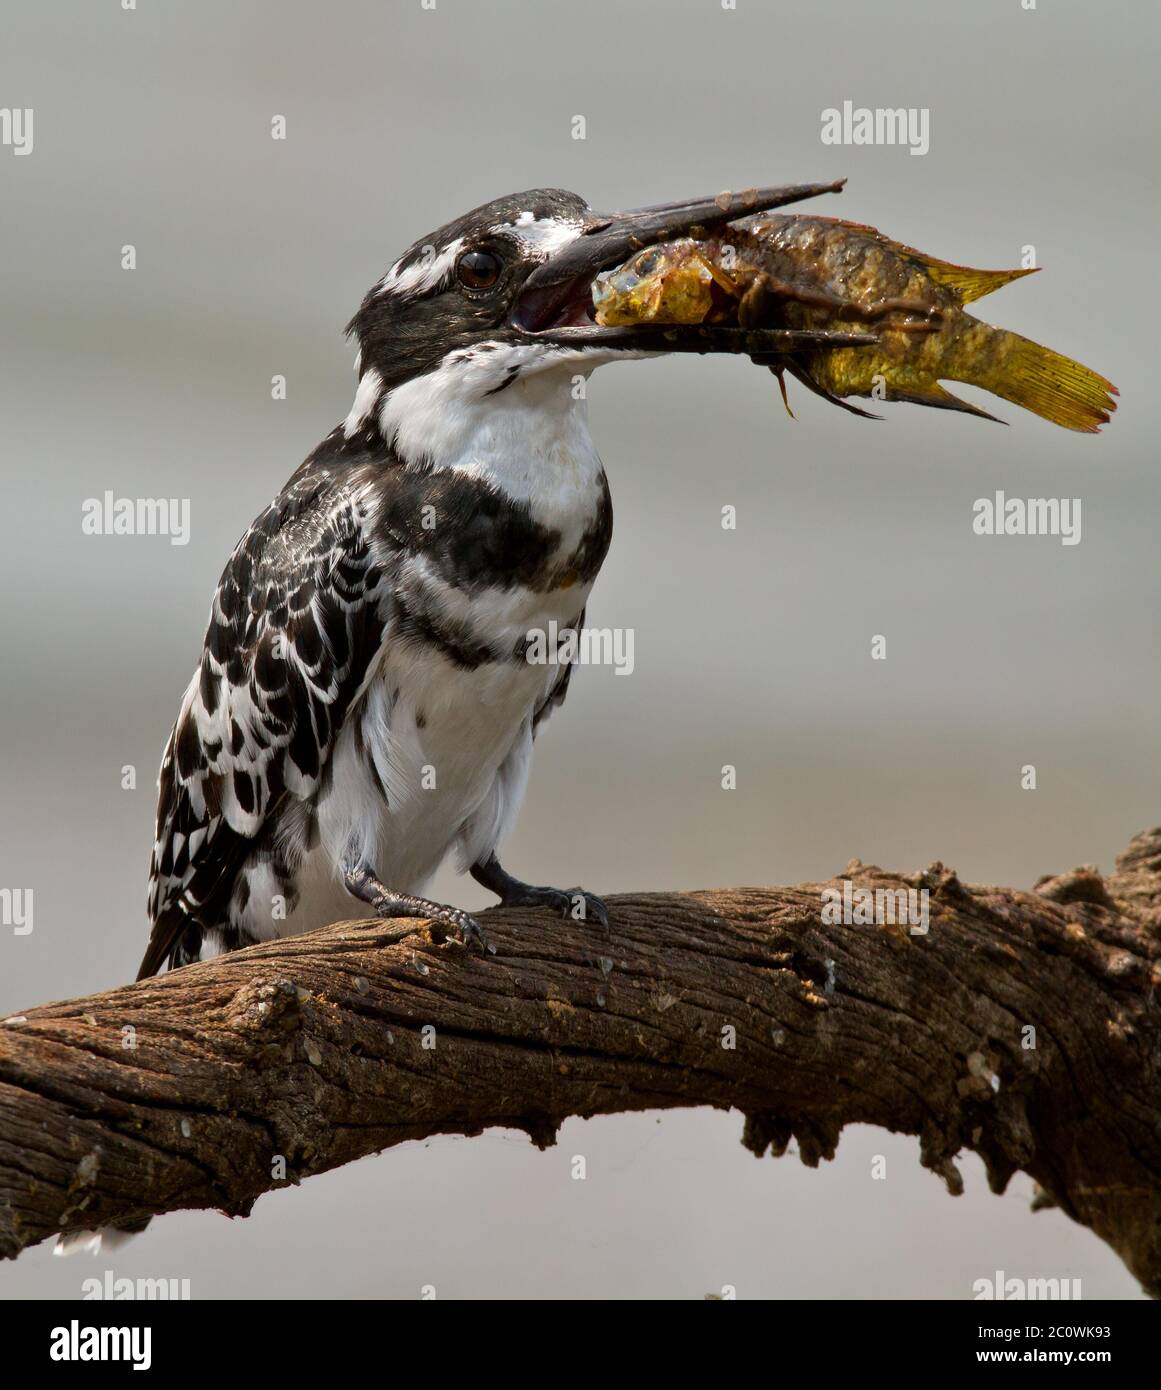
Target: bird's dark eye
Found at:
478, 270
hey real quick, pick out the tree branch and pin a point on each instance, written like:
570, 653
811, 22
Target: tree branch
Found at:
1023, 1025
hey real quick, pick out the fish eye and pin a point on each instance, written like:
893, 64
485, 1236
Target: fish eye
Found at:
478, 270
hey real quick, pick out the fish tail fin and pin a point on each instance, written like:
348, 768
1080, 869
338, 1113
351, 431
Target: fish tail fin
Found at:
968, 284
1049, 384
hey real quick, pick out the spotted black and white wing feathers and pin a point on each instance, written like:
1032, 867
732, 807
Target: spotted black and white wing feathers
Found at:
293, 627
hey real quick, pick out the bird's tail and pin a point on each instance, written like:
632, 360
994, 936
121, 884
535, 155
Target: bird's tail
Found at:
93, 1242
174, 941
1052, 386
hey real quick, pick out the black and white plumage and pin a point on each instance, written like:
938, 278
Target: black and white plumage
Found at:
363, 704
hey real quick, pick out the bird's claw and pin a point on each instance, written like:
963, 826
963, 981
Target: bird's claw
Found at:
468, 931
567, 900
594, 907
464, 926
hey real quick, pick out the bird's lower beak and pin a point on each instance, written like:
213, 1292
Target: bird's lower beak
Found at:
555, 305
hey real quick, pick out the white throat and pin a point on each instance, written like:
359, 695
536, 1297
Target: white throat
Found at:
529, 438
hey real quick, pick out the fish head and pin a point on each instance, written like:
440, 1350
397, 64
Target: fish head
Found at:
669, 283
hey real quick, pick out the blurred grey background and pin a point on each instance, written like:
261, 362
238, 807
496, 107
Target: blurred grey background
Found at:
152, 127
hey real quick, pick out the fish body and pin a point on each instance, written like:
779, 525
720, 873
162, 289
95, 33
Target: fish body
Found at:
800, 272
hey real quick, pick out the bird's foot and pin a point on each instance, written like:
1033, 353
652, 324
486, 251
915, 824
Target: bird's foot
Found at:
576, 903
572, 902
384, 902
462, 924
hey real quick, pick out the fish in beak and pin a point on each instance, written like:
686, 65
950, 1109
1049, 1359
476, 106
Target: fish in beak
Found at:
839, 306
555, 305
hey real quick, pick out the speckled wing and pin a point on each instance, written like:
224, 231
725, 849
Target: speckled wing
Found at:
293, 627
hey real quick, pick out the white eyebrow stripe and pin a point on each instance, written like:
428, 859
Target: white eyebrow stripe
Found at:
424, 274
547, 234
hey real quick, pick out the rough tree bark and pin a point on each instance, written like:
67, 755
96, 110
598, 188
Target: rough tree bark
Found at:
181, 1091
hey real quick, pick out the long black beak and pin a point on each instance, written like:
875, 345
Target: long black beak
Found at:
554, 300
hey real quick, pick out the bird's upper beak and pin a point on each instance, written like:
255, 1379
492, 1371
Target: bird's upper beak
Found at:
555, 303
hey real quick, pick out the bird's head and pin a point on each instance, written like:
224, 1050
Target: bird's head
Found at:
505, 292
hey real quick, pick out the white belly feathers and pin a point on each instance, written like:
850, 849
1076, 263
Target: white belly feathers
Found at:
434, 755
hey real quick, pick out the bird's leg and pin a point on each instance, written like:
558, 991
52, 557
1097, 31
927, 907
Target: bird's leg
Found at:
513, 893
362, 884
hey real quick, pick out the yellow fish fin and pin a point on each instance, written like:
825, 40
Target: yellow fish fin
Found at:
932, 393
964, 282
1050, 385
